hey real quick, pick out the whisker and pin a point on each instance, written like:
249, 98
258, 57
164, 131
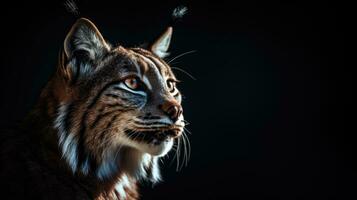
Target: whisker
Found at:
189, 146
185, 72
184, 120
178, 154
175, 148
187, 130
187, 123
185, 152
180, 55
162, 162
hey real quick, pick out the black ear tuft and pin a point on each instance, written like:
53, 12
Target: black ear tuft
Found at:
161, 45
178, 13
71, 7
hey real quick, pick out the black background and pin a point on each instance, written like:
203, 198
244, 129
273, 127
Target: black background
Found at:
264, 113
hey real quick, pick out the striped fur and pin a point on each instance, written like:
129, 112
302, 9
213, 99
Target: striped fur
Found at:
109, 134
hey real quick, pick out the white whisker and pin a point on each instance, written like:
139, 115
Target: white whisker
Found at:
180, 55
185, 72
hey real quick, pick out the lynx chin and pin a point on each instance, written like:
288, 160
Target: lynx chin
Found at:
101, 124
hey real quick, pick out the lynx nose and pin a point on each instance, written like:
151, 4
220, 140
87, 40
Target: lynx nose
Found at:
172, 109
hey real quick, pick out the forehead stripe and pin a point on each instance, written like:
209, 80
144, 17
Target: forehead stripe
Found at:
137, 66
155, 67
145, 68
142, 64
156, 62
147, 60
147, 82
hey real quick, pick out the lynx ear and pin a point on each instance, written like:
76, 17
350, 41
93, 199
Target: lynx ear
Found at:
161, 45
85, 37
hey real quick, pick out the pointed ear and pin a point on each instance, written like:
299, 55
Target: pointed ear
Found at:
85, 38
161, 46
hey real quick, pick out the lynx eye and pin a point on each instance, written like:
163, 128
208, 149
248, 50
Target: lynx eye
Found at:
171, 85
132, 83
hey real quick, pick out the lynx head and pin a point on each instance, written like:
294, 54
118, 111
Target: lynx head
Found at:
118, 109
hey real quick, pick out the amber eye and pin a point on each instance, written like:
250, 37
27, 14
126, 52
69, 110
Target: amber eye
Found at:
132, 83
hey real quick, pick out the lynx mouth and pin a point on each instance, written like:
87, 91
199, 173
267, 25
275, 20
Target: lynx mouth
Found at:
155, 137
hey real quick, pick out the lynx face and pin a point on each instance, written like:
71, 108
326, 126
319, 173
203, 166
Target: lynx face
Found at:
114, 98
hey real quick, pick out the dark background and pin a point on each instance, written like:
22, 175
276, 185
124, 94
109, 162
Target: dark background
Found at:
264, 110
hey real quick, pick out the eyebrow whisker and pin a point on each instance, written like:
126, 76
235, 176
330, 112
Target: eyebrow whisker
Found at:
185, 72
180, 55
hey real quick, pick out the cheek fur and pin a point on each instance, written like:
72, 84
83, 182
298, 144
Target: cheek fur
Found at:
108, 132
